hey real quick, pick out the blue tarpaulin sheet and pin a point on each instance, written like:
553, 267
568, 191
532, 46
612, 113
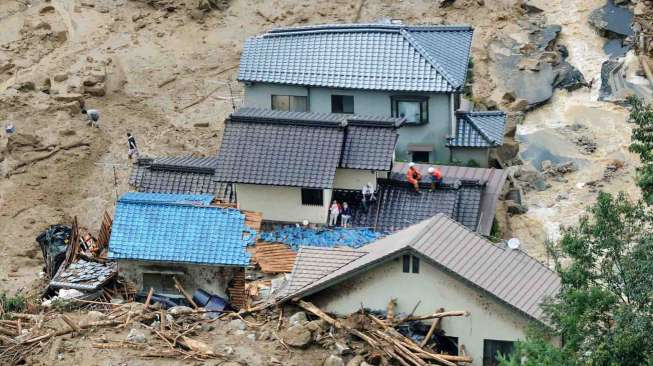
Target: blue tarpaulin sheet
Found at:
299, 236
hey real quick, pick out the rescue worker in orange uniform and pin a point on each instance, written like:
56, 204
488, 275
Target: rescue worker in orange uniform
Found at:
413, 176
436, 177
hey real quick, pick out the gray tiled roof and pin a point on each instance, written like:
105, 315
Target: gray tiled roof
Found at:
493, 179
361, 56
401, 207
181, 175
479, 129
301, 149
510, 276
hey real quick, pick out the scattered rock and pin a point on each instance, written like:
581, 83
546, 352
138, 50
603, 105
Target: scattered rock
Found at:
25, 86
136, 336
201, 124
317, 325
298, 318
341, 348
612, 21
334, 361
237, 324
94, 78
297, 336
69, 97
99, 90
179, 310
46, 9
530, 7
60, 77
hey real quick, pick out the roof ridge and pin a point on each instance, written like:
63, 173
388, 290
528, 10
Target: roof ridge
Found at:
363, 27
481, 113
418, 47
479, 129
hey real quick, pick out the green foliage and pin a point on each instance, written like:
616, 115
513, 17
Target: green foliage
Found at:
642, 143
604, 309
473, 163
467, 90
495, 233
10, 304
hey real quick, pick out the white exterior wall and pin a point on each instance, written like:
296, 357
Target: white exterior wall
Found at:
213, 279
278, 203
489, 319
353, 178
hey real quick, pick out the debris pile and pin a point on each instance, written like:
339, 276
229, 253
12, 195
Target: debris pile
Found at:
296, 236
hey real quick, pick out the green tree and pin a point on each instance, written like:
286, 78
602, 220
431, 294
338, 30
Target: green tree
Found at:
604, 311
642, 143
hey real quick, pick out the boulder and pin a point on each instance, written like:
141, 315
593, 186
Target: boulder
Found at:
341, 348
334, 361
46, 9
69, 97
530, 7
508, 151
317, 325
298, 318
568, 77
136, 336
25, 86
98, 90
612, 21
60, 77
237, 324
519, 105
297, 336
356, 361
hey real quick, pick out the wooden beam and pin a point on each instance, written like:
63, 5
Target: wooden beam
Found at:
434, 326
183, 292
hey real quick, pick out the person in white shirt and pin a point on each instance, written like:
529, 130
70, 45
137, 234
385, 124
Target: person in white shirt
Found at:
93, 116
334, 211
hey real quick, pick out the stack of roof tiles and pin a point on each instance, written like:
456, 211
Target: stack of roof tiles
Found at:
178, 228
179, 175
479, 129
381, 56
510, 276
302, 149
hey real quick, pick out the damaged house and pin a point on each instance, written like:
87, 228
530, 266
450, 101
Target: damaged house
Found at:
384, 69
158, 239
287, 165
437, 263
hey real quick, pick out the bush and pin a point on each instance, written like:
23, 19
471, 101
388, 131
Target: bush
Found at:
15, 304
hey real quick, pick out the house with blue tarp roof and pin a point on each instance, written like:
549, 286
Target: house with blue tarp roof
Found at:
157, 236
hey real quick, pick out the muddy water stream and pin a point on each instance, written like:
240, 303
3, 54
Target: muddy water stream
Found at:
548, 133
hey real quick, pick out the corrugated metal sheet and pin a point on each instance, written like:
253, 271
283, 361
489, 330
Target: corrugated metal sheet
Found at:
511, 276
494, 180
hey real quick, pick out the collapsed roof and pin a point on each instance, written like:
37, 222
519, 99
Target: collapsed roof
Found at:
381, 56
302, 149
178, 228
510, 276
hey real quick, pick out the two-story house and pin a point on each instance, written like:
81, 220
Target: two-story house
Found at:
286, 165
383, 69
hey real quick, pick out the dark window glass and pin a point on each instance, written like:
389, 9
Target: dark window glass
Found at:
415, 264
290, 103
414, 109
492, 348
342, 104
406, 259
456, 102
420, 156
312, 197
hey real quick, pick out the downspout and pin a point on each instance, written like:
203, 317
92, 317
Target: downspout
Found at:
453, 115
308, 99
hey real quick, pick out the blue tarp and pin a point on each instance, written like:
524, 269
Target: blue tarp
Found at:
297, 236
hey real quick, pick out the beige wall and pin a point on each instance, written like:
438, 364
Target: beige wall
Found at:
434, 288
353, 178
281, 203
213, 279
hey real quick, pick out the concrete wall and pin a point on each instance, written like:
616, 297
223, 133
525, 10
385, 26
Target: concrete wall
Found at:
353, 178
213, 279
464, 155
489, 319
375, 103
281, 203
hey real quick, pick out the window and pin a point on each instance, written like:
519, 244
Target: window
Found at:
162, 283
414, 109
420, 156
312, 197
290, 103
342, 104
491, 348
407, 259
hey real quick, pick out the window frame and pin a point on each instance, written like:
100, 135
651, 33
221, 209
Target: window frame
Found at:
342, 103
423, 107
490, 360
414, 264
405, 263
305, 192
428, 156
291, 102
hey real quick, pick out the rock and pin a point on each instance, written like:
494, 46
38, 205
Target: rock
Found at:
201, 124
546, 164
251, 337
341, 348
60, 77
612, 21
317, 325
519, 105
508, 97
567, 167
135, 336
298, 318
297, 336
530, 7
540, 184
237, 324
562, 196
69, 97
46, 9
94, 78
568, 77
99, 90
72, 108
94, 316
508, 151
515, 208
117, 301
358, 360
334, 361
198, 15
180, 310
25, 86
207, 327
